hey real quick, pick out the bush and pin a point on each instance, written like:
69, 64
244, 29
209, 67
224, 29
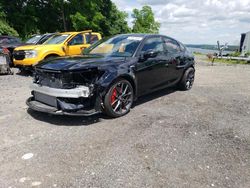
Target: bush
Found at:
247, 54
235, 54
5, 29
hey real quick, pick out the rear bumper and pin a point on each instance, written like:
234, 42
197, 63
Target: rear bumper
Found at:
41, 107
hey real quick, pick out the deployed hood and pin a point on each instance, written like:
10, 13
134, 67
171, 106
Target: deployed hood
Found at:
80, 62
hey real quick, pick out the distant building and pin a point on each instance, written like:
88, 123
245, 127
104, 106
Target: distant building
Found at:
245, 43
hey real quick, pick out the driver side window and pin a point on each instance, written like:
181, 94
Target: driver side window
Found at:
154, 44
76, 40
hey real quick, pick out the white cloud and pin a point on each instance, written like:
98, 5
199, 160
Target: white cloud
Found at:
196, 21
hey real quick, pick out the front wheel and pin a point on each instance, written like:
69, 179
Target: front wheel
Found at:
119, 99
187, 80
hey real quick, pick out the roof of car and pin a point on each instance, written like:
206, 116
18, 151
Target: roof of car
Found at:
76, 32
7, 36
140, 34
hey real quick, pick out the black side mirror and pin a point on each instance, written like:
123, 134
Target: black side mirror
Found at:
150, 54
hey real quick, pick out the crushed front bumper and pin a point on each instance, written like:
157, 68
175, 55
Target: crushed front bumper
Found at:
75, 102
41, 107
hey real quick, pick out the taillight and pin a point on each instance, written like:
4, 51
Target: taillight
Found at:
6, 51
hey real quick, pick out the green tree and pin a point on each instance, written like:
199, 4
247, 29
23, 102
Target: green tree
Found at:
144, 21
21, 14
5, 28
117, 22
103, 16
40, 16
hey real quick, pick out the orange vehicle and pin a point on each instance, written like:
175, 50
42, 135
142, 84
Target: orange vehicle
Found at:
61, 44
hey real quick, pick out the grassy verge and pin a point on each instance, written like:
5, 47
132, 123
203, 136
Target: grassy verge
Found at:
197, 53
230, 61
204, 58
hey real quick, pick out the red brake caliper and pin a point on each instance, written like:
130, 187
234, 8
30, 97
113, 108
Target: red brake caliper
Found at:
113, 96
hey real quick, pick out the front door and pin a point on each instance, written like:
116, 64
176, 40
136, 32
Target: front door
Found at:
76, 45
151, 72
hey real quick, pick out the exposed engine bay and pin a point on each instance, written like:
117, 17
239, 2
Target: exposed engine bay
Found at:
66, 91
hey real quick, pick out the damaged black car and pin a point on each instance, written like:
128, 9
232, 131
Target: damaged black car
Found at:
111, 75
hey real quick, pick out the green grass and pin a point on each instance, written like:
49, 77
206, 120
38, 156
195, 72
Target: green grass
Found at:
197, 53
204, 58
230, 61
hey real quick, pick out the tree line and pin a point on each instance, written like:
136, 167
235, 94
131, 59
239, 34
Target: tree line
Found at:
27, 17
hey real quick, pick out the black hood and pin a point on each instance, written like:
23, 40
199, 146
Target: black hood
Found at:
80, 62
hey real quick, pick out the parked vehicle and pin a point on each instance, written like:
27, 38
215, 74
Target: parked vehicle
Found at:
5, 61
111, 75
61, 44
39, 38
10, 43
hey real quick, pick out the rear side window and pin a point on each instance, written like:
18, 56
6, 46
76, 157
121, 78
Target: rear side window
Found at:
90, 39
182, 47
155, 44
171, 45
15, 40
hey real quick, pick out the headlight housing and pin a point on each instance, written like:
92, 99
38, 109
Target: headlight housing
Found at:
30, 53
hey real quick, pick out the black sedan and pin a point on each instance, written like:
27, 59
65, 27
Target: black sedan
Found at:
111, 75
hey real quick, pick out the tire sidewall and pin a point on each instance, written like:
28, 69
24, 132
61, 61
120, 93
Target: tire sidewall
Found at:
183, 85
108, 110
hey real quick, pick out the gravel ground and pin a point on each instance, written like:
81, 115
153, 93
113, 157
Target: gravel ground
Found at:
198, 138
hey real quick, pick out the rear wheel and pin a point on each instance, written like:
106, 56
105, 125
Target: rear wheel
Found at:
187, 80
119, 98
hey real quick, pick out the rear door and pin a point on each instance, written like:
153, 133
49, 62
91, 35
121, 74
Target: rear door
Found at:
91, 38
175, 57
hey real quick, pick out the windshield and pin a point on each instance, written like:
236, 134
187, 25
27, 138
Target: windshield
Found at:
34, 39
6, 40
57, 39
119, 46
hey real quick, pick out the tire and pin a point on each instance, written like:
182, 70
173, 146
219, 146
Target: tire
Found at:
119, 98
187, 80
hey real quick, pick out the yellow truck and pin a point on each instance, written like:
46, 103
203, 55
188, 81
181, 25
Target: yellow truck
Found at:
60, 44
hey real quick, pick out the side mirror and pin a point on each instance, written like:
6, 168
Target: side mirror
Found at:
148, 54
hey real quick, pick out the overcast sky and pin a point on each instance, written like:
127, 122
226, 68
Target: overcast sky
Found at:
197, 21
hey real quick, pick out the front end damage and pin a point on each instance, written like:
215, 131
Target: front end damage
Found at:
66, 92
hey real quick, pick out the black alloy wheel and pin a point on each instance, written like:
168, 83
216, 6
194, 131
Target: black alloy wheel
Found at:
119, 98
187, 80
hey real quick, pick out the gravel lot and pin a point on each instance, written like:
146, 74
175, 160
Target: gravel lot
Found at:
199, 138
